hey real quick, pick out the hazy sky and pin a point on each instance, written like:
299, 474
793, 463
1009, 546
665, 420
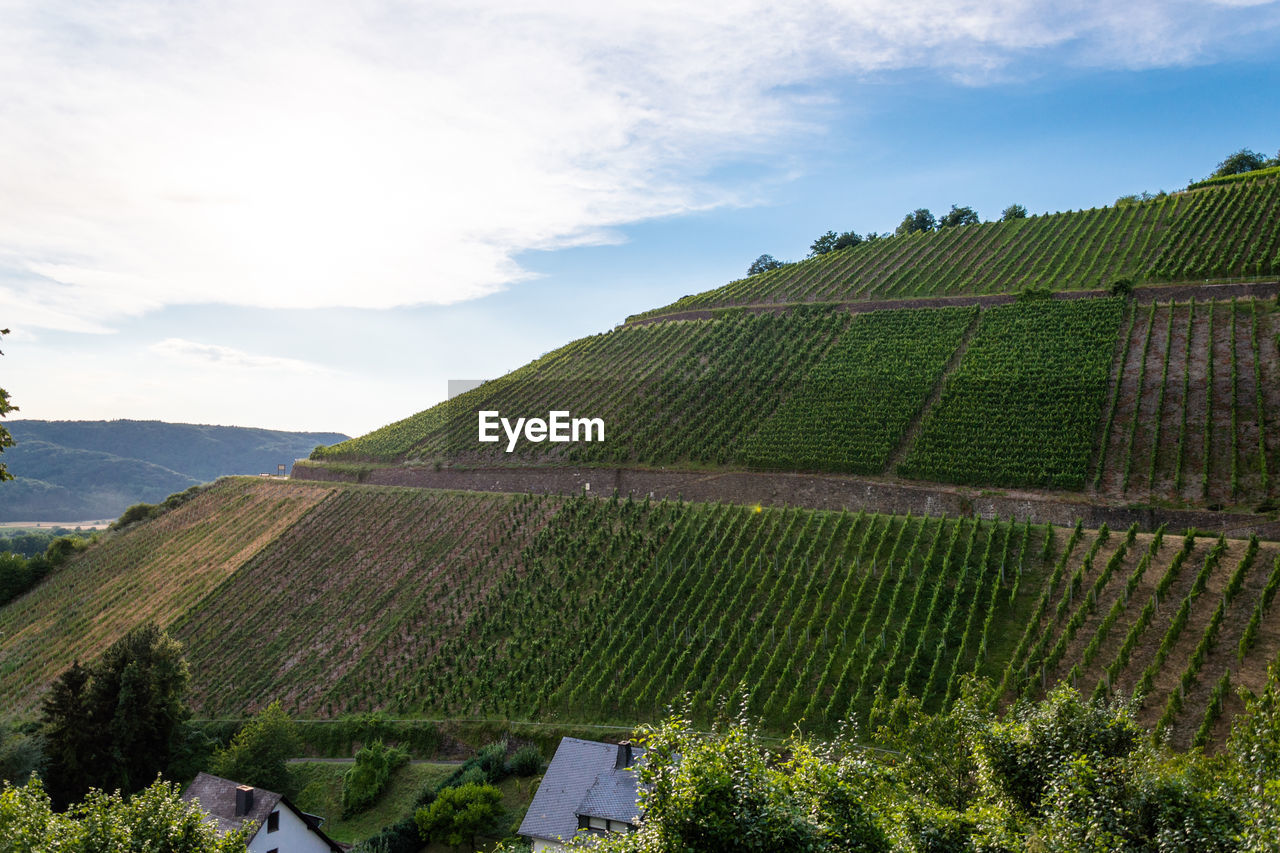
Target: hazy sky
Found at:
312, 215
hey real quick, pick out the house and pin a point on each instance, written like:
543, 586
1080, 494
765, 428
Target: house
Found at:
279, 826
589, 787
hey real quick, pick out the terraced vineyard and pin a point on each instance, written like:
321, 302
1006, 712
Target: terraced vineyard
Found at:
855, 406
430, 603
330, 616
822, 615
1023, 405
1197, 417
155, 573
1222, 230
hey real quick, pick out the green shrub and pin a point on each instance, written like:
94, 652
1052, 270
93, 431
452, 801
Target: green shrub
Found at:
527, 761
1122, 287
492, 761
362, 784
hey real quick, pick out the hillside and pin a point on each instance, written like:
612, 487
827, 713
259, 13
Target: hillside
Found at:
1054, 395
984, 356
76, 470
807, 484
1223, 230
429, 603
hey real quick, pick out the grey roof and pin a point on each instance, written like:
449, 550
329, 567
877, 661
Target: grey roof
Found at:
612, 796
217, 796
581, 779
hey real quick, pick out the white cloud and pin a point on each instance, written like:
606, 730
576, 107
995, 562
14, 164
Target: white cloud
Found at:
384, 154
177, 350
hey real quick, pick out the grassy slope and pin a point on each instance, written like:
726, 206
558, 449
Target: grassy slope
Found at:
321, 794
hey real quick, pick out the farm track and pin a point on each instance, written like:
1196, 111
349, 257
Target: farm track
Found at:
810, 490
1178, 291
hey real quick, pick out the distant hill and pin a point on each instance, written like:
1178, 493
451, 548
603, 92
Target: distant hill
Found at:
76, 470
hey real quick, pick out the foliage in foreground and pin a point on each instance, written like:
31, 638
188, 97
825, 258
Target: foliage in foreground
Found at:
1061, 774
154, 820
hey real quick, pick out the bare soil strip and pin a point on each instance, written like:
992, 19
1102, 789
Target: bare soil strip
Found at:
1125, 409
813, 491
1144, 295
1252, 673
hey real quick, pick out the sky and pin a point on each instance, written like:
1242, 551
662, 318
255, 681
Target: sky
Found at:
311, 216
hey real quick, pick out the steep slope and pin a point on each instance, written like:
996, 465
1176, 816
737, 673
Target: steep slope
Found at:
1221, 231
1041, 394
154, 572
449, 604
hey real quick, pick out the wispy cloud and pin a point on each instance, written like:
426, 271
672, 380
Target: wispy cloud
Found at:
220, 357
384, 154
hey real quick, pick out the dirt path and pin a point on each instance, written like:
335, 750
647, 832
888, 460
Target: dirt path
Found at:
813, 491
1126, 407
1143, 295
1175, 399
1197, 406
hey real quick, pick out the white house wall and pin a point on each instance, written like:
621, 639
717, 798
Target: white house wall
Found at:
293, 836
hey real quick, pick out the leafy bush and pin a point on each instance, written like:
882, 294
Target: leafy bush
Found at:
258, 753
492, 761
458, 814
362, 784
1122, 287
527, 761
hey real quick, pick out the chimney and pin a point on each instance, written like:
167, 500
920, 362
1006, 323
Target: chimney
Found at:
244, 800
624, 756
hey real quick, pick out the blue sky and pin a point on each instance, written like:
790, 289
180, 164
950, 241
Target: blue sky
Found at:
312, 216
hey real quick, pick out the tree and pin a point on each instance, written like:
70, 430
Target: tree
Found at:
919, 219
958, 216
1240, 162
764, 263
259, 753
6, 407
1013, 211
111, 726
831, 242
155, 819
825, 243
458, 815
